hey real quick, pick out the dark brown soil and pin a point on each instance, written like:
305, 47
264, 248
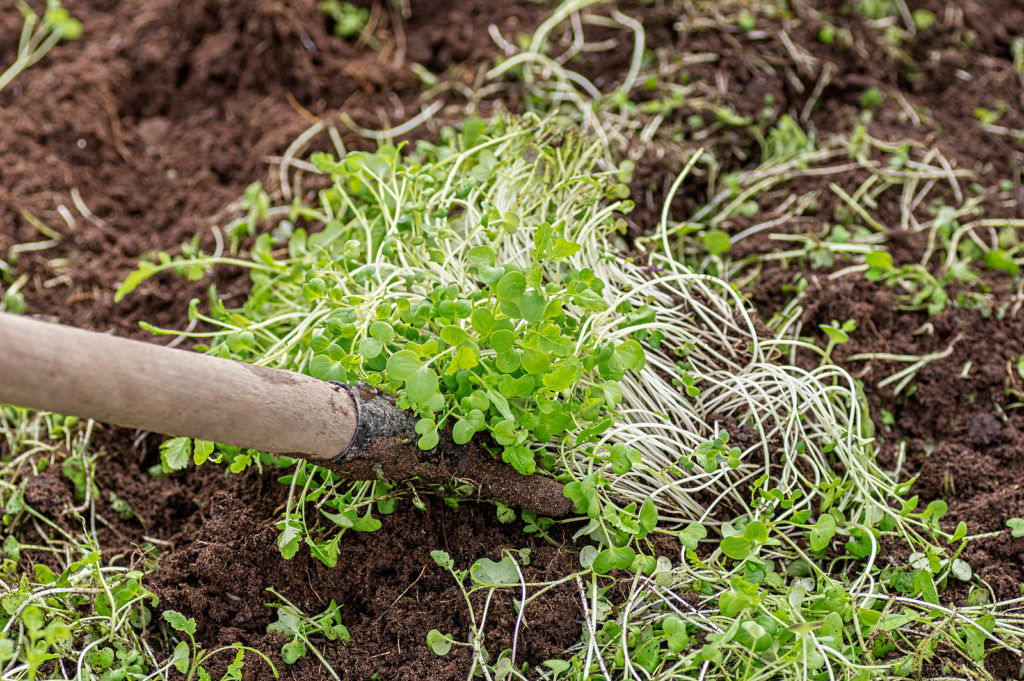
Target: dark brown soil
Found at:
163, 112
157, 118
392, 592
963, 441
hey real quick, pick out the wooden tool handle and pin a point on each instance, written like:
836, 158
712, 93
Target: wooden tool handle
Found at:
353, 430
175, 392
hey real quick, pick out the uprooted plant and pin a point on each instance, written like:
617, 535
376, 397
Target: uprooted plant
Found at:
482, 281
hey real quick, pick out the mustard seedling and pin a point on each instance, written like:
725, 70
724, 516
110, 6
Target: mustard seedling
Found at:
189, 656
39, 35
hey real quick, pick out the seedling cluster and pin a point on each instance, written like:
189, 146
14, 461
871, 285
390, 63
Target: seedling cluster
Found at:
485, 280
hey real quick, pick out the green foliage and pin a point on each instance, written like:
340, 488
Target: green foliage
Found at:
299, 628
188, 656
1016, 526
349, 20
40, 35
400, 278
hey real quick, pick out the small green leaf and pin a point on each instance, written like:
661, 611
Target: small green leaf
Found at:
924, 583
1016, 526
822, 532
292, 651
44, 575
421, 385
462, 432
382, 331
531, 306
145, 271
693, 533
482, 321
175, 453
502, 340
487, 572
511, 287
521, 458
453, 335
326, 369
561, 378
370, 348
674, 629
403, 364
737, 548
998, 259
180, 658
648, 514
201, 451
756, 532
465, 358
438, 642
178, 622
615, 557
879, 260
632, 355
716, 242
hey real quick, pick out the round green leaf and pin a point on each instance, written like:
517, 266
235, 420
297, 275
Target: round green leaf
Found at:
402, 365
326, 369
502, 340
453, 335
482, 321
756, 532
382, 331
462, 432
716, 242
880, 260
370, 347
421, 385
737, 548
438, 642
511, 287
822, 532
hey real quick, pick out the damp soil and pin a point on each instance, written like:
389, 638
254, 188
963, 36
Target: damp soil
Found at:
958, 429
133, 139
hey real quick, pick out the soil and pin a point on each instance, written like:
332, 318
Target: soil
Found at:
133, 139
964, 442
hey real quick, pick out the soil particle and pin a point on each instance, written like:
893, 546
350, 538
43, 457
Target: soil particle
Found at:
49, 494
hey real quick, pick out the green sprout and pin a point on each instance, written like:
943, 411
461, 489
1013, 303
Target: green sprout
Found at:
837, 335
39, 36
189, 656
348, 19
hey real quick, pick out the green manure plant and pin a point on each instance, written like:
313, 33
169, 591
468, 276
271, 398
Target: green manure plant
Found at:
482, 280
39, 35
479, 281
69, 608
835, 190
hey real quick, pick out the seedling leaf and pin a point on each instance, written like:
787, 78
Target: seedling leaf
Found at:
439, 643
178, 622
175, 453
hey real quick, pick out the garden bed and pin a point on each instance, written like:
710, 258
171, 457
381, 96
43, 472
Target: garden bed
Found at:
136, 137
